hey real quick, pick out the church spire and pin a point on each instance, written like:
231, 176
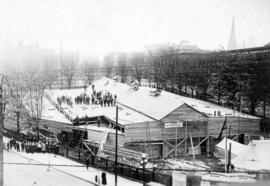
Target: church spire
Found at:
232, 42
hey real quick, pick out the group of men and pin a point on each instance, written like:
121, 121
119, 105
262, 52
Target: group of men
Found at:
65, 99
43, 147
14, 144
82, 99
31, 147
103, 98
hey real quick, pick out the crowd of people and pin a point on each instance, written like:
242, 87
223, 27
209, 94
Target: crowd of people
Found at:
14, 144
65, 99
103, 98
32, 146
82, 99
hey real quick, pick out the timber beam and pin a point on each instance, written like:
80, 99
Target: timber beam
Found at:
173, 146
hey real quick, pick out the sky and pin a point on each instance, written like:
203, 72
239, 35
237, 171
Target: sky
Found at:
99, 26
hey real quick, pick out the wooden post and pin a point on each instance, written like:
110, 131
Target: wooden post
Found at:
226, 154
191, 141
176, 142
186, 139
18, 120
229, 157
207, 144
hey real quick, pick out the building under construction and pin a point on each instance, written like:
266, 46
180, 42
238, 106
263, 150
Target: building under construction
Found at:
156, 122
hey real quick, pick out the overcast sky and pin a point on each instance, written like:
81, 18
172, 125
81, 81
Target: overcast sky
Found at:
97, 26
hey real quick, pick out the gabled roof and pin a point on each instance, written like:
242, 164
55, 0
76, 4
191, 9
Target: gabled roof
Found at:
186, 113
140, 100
136, 105
160, 106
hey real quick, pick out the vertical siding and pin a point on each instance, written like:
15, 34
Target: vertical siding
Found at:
245, 125
138, 132
184, 113
111, 140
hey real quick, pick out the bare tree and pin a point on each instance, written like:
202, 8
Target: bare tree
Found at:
35, 90
108, 65
90, 67
122, 66
69, 63
25, 91
137, 61
50, 71
15, 94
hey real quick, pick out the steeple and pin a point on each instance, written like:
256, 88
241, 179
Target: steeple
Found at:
232, 42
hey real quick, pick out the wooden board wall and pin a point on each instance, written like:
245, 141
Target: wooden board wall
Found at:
184, 113
198, 126
153, 150
55, 126
246, 125
95, 136
138, 131
111, 140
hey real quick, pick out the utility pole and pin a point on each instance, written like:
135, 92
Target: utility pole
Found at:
116, 145
226, 158
186, 139
176, 142
1, 133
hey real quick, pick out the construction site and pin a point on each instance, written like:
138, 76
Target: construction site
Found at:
161, 124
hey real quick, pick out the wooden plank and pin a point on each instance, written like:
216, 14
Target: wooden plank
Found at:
192, 145
174, 147
184, 113
202, 141
168, 143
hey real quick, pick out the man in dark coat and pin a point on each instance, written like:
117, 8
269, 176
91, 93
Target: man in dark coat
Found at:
87, 163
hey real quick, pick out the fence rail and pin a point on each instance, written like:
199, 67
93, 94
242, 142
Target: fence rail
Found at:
124, 170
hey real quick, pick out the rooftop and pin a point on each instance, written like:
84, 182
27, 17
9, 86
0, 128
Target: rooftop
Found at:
135, 105
158, 107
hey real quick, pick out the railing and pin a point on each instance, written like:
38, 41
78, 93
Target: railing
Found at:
127, 171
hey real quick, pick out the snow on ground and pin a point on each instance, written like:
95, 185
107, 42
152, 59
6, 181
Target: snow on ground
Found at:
229, 177
255, 157
28, 174
236, 147
187, 164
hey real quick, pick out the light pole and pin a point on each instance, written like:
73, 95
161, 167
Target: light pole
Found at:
144, 161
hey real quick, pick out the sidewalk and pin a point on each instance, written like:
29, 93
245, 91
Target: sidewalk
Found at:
73, 168
19, 171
